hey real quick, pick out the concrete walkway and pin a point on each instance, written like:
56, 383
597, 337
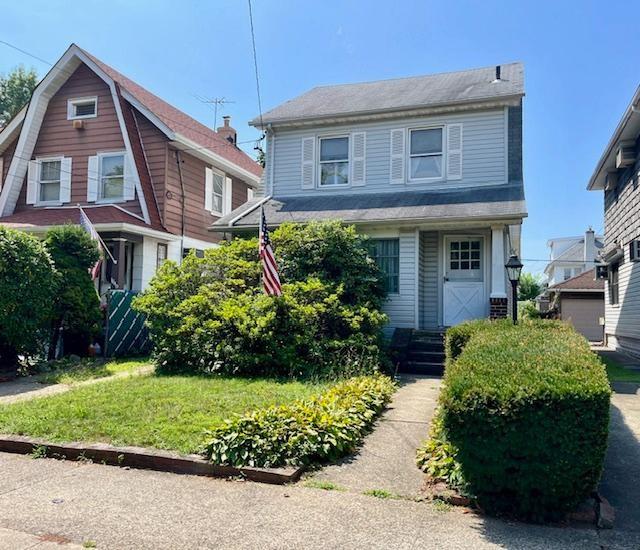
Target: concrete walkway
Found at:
387, 459
23, 389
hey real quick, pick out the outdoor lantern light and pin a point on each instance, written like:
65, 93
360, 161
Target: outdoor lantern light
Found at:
514, 267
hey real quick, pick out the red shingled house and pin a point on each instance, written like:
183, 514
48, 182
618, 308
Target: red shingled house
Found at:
90, 136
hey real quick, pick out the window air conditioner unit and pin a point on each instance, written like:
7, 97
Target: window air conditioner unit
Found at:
634, 251
625, 155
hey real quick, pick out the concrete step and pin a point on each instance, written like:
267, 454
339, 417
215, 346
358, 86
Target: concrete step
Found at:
427, 356
422, 367
424, 345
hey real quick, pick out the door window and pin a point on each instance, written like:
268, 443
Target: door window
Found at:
464, 259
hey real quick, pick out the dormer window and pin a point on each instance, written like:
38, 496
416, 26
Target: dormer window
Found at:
84, 107
334, 161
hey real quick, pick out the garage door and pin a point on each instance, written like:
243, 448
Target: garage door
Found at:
584, 314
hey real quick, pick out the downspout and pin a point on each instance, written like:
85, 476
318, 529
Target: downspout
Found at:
182, 205
271, 158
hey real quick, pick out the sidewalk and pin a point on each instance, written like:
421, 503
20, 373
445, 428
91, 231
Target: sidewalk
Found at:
387, 460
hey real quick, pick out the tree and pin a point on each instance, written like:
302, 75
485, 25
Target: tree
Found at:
76, 307
15, 91
530, 286
27, 286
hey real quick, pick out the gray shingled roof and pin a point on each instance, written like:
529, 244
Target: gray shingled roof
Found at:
496, 201
400, 94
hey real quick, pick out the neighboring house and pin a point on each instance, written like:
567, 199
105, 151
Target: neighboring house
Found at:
571, 256
580, 300
429, 167
617, 174
92, 137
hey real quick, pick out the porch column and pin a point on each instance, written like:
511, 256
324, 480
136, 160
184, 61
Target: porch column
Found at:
498, 297
120, 271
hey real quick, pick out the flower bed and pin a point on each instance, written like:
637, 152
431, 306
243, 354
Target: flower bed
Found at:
316, 430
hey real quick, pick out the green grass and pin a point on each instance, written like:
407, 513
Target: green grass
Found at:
324, 485
165, 412
382, 493
89, 369
617, 373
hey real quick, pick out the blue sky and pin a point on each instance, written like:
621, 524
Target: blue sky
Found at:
580, 67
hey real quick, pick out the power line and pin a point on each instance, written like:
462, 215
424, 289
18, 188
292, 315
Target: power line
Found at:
255, 63
25, 52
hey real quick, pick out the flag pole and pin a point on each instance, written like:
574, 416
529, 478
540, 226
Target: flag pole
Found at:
104, 246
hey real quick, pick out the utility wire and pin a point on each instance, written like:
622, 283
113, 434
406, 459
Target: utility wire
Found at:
25, 52
255, 63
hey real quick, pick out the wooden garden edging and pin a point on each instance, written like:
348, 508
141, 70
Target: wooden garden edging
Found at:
147, 459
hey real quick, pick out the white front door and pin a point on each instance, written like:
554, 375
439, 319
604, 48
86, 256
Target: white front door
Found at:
463, 288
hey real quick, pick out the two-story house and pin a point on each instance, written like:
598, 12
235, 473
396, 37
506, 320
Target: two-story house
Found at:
572, 256
429, 167
618, 175
150, 178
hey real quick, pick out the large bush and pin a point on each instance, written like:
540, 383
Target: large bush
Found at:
210, 314
526, 409
316, 430
76, 305
27, 282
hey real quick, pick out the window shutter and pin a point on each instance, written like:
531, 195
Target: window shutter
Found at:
358, 158
228, 196
92, 179
454, 151
398, 160
65, 179
308, 162
1, 172
208, 189
129, 178
32, 181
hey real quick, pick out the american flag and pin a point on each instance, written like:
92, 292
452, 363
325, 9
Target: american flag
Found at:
85, 222
270, 277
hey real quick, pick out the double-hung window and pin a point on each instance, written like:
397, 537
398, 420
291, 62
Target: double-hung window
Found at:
425, 153
217, 193
334, 161
49, 180
112, 176
386, 253
614, 282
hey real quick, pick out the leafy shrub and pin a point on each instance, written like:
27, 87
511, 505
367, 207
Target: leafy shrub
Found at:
76, 305
305, 432
27, 278
527, 409
528, 310
210, 314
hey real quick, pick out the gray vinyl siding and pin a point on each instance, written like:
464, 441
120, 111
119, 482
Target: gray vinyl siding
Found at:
484, 154
429, 297
400, 307
622, 225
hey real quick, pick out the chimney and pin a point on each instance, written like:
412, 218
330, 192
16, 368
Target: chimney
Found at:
590, 251
226, 131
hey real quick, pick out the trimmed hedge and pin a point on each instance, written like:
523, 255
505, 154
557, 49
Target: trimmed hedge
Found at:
305, 432
526, 409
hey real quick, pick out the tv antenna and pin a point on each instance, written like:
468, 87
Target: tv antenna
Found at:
215, 102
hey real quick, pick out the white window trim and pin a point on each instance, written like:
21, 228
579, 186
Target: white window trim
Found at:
71, 103
320, 163
214, 212
441, 177
101, 199
40, 160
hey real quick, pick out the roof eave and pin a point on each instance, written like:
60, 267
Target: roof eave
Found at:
477, 103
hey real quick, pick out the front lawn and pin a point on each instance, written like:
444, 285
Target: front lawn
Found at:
617, 373
165, 412
87, 369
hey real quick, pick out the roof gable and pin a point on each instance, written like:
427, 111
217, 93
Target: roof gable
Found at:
584, 281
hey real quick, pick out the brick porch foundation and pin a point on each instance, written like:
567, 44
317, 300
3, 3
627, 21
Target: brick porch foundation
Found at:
498, 309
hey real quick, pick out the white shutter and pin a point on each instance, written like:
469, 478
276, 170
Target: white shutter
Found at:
454, 151
397, 159
32, 182
308, 162
65, 179
228, 196
1, 172
358, 156
129, 178
208, 189
92, 179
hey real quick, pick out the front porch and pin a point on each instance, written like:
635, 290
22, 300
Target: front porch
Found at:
439, 277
